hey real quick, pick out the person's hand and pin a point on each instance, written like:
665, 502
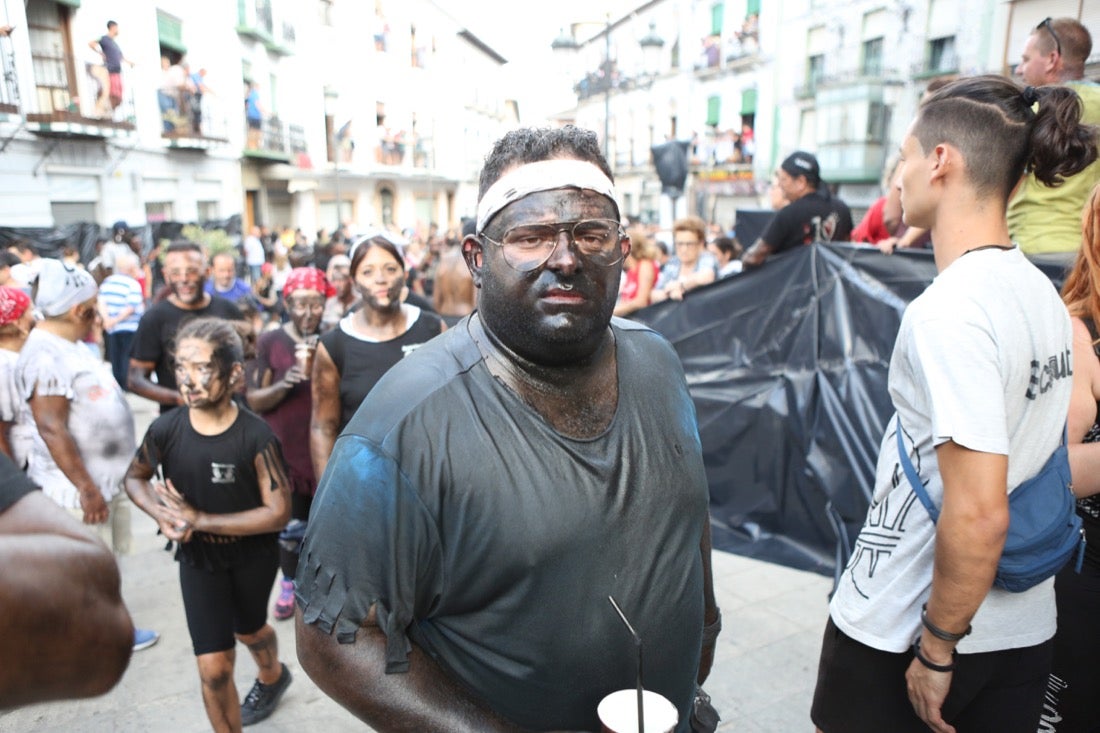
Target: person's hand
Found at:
293, 376
95, 508
176, 509
676, 290
927, 691
887, 246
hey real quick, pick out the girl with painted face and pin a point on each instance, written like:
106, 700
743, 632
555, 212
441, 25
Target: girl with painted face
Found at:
223, 499
279, 391
352, 357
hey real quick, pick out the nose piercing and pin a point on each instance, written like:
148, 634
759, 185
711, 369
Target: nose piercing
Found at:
566, 286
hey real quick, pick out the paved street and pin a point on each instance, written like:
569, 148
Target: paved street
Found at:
762, 681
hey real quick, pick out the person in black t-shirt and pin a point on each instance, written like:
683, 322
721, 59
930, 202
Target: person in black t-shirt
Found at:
185, 273
813, 214
224, 499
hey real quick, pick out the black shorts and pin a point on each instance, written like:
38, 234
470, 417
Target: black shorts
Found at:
222, 603
862, 690
255, 124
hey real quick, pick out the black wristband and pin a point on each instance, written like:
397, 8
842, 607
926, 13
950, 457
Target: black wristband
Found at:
929, 663
936, 631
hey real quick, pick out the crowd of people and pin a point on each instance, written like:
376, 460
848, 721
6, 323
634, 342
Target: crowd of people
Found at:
429, 445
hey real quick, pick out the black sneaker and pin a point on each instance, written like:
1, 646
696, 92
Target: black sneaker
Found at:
261, 700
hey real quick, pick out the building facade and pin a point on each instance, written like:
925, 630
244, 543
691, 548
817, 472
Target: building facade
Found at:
744, 83
384, 107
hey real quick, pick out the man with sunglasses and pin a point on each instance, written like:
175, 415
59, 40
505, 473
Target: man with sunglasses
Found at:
1040, 218
499, 484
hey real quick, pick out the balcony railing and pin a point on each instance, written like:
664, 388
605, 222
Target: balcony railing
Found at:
57, 111
195, 121
276, 141
9, 87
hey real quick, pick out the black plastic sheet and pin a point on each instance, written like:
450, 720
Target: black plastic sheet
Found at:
787, 366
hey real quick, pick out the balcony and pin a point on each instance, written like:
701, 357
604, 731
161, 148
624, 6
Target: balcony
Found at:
193, 122
275, 142
255, 21
60, 113
9, 86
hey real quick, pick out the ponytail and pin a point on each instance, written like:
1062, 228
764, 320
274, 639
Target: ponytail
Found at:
1059, 145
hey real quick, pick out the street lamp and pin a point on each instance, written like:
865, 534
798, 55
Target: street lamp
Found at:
331, 95
566, 43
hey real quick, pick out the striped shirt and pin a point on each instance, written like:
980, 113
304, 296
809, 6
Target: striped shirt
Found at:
118, 292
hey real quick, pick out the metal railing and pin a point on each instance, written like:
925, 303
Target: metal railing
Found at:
55, 102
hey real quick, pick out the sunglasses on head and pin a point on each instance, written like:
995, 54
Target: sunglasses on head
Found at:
1050, 29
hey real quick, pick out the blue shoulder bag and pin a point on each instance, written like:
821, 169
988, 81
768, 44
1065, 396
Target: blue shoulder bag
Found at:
1044, 531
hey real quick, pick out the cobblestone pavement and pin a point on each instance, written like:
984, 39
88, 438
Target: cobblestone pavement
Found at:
762, 680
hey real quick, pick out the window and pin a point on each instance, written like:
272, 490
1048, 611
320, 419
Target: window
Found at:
51, 44
878, 122
941, 54
385, 200
158, 211
209, 211
717, 11
815, 70
872, 57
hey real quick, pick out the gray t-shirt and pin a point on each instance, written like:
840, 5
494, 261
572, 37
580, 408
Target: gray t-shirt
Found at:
493, 541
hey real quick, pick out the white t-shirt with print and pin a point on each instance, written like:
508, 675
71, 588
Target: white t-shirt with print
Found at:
983, 358
100, 420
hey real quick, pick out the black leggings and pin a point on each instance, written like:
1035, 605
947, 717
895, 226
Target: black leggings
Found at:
299, 509
1072, 704
222, 603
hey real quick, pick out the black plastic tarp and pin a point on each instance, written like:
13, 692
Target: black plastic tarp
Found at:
787, 366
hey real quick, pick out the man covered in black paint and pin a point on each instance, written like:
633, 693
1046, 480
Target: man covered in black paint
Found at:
502, 481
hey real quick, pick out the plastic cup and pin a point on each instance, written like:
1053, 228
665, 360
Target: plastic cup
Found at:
619, 712
303, 353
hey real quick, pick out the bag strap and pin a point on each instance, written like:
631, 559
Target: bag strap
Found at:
914, 477
1091, 326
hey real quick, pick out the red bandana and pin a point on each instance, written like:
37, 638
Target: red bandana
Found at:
307, 278
13, 304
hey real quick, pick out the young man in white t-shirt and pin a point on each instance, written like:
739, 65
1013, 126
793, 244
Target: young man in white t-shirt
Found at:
980, 378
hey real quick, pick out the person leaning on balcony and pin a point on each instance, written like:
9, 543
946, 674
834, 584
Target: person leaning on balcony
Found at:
1043, 218
813, 214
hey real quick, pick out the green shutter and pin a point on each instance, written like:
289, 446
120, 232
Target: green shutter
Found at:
70, 3
714, 107
752, 7
716, 19
748, 102
170, 32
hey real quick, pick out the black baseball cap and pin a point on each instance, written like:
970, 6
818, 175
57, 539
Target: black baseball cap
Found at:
801, 163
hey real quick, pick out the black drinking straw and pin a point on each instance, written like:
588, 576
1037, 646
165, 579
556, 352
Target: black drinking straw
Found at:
638, 644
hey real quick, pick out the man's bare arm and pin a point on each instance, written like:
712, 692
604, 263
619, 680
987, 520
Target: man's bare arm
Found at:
756, 254
140, 384
970, 535
51, 415
66, 631
424, 698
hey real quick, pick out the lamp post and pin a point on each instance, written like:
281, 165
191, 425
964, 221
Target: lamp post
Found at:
331, 95
566, 43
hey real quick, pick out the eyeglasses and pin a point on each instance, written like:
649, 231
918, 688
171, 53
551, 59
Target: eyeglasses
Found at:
1050, 29
529, 246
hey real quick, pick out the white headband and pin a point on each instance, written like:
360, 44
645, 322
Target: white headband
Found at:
543, 175
62, 286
